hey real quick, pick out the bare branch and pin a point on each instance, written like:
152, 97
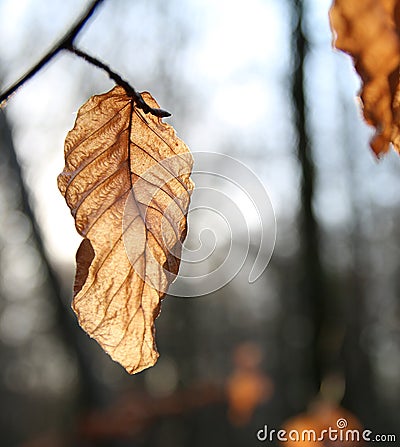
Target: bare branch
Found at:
67, 40
67, 43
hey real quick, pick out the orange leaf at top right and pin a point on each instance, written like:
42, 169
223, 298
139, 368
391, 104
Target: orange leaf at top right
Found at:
368, 30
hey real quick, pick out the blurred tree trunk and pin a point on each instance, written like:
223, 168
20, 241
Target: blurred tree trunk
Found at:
68, 330
311, 295
360, 395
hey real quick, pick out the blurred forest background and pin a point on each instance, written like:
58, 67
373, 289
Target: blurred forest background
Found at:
319, 330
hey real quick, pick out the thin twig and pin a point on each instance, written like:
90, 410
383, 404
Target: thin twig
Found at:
67, 43
136, 96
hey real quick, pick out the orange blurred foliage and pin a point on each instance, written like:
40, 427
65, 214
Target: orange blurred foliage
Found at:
321, 416
47, 440
247, 386
134, 413
368, 30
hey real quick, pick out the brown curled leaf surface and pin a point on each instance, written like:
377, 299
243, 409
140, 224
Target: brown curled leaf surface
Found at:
368, 30
126, 181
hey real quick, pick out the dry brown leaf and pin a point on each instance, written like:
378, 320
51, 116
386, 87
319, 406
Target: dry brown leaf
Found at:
126, 180
368, 30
